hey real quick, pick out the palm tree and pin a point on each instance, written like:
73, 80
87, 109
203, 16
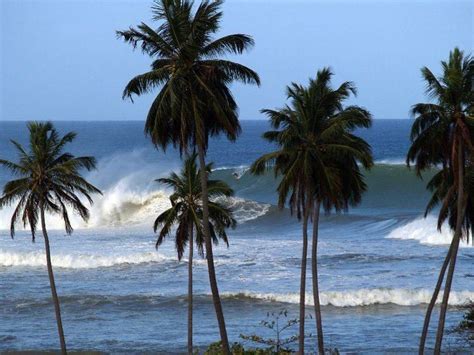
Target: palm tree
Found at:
442, 135
49, 180
318, 160
195, 101
186, 214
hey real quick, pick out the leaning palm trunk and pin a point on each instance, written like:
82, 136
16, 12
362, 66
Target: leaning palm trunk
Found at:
314, 269
304, 258
209, 255
447, 291
190, 292
53, 285
454, 252
433, 300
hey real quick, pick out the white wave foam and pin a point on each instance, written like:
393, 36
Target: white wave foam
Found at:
246, 210
237, 171
425, 231
94, 261
131, 199
130, 195
238, 167
393, 161
82, 261
362, 297
118, 206
122, 207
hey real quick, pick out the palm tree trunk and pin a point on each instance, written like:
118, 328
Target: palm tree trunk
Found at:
53, 285
433, 300
454, 252
447, 291
304, 258
190, 292
314, 267
209, 255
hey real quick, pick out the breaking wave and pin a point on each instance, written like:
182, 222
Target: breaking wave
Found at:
362, 297
425, 231
37, 259
390, 162
131, 197
340, 299
81, 261
246, 210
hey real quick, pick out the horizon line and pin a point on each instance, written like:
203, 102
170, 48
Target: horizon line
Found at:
137, 120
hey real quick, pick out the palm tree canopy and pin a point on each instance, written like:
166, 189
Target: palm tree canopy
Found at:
319, 154
47, 178
438, 128
186, 208
194, 99
449, 117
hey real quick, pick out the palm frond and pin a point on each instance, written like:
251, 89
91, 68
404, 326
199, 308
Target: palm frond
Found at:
49, 179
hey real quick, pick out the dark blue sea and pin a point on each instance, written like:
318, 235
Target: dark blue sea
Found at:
378, 262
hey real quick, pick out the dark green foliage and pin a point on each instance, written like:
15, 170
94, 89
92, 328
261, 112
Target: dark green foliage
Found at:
278, 323
442, 136
47, 177
438, 129
186, 208
318, 156
194, 101
465, 329
468, 322
239, 349
319, 159
48, 180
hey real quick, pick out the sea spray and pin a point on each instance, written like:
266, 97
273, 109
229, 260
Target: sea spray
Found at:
131, 197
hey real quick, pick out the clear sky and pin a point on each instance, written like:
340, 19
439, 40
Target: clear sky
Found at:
60, 59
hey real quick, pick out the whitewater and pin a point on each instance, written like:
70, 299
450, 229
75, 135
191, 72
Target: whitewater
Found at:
378, 263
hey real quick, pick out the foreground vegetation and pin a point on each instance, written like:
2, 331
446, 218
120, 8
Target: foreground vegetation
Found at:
186, 214
48, 181
318, 160
466, 326
442, 136
195, 101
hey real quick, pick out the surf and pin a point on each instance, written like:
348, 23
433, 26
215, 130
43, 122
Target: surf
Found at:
361, 297
424, 230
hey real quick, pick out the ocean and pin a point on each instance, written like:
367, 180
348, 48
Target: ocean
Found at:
378, 263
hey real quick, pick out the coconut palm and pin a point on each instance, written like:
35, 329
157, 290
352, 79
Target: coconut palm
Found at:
186, 214
48, 181
442, 135
194, 101
317, 158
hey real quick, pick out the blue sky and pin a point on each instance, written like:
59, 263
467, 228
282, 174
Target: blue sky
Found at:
60, 59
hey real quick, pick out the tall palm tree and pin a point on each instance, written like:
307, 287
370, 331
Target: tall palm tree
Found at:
194, 101
442, 135
49, 180
186, 214
318, 160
